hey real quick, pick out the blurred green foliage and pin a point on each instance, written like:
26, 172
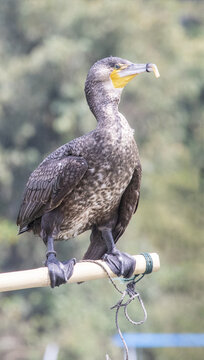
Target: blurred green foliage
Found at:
46, 49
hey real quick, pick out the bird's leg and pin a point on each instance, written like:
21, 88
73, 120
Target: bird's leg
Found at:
59, 272
120, 263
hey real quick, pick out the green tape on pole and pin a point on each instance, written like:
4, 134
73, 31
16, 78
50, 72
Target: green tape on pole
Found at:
149, 262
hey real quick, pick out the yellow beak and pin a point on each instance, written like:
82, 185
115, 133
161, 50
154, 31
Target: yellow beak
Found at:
120, 77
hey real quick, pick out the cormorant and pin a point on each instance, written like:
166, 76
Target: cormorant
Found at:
92, 182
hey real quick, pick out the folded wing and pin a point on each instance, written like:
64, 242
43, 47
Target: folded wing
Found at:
49, 185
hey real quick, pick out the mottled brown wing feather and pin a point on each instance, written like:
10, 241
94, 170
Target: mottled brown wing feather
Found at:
48, 185
128, 206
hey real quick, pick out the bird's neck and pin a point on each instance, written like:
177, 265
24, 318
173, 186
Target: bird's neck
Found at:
107, 115
103, 102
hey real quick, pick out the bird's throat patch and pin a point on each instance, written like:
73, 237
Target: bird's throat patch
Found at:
118, 81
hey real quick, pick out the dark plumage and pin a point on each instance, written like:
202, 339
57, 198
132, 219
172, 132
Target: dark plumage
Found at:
92, 182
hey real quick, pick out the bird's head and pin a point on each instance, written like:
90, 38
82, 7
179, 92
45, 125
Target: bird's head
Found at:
107, 78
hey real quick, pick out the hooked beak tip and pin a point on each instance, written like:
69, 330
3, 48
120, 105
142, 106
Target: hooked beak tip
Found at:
153, 67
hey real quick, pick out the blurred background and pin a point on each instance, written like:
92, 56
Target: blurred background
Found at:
46, 50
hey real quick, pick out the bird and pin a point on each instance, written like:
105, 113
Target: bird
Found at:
92, 182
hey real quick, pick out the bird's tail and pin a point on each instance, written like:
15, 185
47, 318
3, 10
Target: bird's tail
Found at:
23, 229
97, 247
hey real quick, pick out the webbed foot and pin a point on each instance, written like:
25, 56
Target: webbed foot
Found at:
120, 263
59, 272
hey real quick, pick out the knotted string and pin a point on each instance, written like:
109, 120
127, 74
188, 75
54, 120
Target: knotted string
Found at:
132, 294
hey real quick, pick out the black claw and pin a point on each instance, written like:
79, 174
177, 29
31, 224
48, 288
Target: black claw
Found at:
120, 263
59, 272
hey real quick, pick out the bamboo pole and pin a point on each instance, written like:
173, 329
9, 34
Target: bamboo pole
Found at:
83, 271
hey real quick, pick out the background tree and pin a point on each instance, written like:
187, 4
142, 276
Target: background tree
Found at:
46, 49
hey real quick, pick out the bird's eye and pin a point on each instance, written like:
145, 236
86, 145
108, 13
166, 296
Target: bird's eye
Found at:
117, 66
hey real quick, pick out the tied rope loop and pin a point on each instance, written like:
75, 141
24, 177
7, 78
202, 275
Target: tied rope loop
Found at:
134, 294
131, 292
